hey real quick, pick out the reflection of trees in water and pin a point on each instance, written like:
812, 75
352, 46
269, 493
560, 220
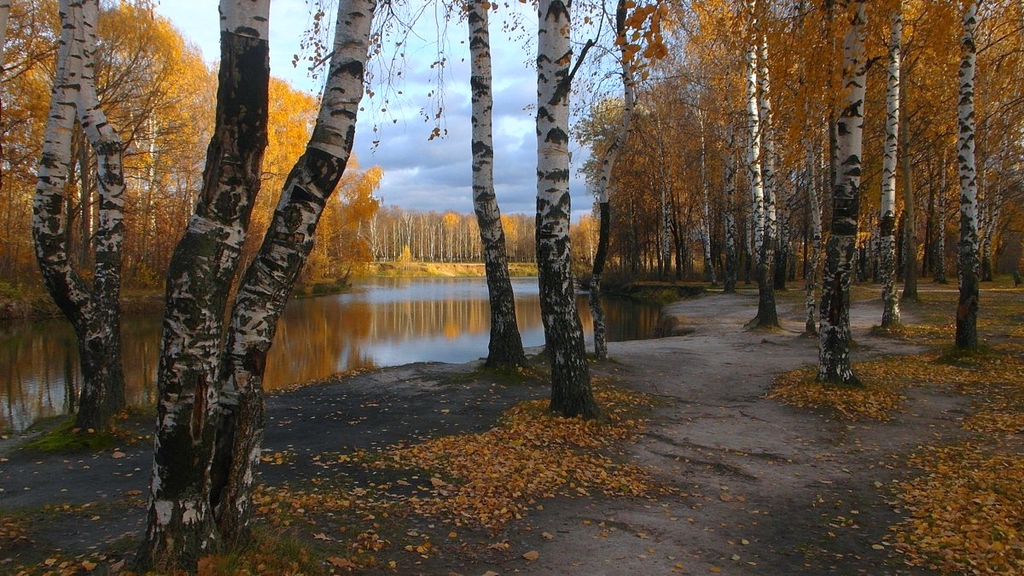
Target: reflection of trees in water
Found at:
317, 337
42, 376
325, 336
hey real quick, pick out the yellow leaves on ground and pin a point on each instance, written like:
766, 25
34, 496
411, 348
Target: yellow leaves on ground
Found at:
494, 476
873, 401
965, 510
966, 507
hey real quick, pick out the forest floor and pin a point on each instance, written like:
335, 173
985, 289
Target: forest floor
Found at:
443, 469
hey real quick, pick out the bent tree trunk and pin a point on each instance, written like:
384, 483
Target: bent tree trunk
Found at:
834, 332
268, 281
969, 269
505, 348
571, 394
180, 524
608, 160
94, 311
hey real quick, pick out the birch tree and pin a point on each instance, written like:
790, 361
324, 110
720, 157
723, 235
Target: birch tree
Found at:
207, 495
180, 522
93, 308
731, 253
505, 347
887, 221
834, 328
968, 269
757, 108
608, 159
571, 393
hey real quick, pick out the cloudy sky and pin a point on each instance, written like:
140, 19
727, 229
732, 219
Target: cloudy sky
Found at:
419, 173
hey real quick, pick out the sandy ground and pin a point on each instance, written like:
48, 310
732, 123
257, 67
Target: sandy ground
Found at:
763, 488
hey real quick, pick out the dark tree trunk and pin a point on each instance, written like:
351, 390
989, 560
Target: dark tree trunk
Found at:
180, 525
596, 310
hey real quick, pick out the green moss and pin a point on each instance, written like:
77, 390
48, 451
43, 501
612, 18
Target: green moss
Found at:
64, 437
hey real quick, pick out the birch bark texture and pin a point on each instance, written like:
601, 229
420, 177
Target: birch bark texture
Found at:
505, 348
571, 393
180, 524
93, 310
834, 327
608, 159
887, 218
269, 280
969, 265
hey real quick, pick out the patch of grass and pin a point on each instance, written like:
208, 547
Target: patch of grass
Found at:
65, 437
272, 551
61, 436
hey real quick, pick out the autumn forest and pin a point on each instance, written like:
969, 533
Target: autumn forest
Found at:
780, 159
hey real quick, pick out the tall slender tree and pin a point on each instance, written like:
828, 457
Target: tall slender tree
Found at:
767, 312
887, 220
505, 347
731, 252
834, 332
969, 266
608, 159
571, 392
92, 308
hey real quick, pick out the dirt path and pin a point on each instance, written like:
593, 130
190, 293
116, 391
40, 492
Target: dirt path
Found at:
763, 488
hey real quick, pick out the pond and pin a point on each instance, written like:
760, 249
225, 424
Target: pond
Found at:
382, 322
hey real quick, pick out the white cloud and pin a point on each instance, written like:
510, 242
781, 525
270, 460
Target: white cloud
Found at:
420, 173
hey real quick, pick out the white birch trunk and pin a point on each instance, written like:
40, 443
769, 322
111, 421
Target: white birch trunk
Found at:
94, 311
834, 331
968, 262
571, 393
180, 526
268, 281
705, 228
887, 221
505, 347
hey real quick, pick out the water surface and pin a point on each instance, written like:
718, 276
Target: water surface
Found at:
383, 322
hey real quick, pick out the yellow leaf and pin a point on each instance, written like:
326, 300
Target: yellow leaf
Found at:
531, 555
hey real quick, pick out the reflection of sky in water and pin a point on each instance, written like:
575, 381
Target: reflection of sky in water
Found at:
386, 323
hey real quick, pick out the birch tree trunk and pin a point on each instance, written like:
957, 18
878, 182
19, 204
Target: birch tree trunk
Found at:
887, 218
269, 280
755, 177
834, 332
814, 263
611, 155
968, 267
505, 348
767, 314
180, 523
94, 311
705, 223
571, 394
731, 252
